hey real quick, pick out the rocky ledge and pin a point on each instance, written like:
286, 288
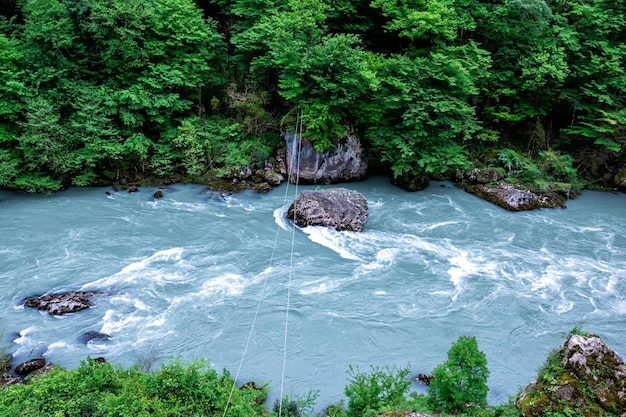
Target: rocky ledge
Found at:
62, 303
513, 198
340, 208
488, 184
584, 377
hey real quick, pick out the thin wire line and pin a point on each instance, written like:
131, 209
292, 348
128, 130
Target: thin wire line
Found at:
261, 297
293, 239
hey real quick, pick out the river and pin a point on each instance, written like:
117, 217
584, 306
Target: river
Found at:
183, 277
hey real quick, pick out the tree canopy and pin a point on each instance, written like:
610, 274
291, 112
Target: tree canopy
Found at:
93, 91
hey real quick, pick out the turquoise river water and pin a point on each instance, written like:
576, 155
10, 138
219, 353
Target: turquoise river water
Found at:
183, 277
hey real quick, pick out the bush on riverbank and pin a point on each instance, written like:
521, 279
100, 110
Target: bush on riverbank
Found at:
97, 389
583, 378
100, 389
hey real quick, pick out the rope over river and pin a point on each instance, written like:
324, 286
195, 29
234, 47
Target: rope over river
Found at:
182, 276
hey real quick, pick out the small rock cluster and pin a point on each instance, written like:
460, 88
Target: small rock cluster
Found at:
62, 303
35, 366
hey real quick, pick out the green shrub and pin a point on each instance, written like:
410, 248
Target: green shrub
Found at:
462, 379
296, 406
382, 388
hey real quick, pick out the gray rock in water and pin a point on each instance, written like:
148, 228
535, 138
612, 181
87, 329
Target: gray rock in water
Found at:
346, 162
62, 303
340, 208
516, 199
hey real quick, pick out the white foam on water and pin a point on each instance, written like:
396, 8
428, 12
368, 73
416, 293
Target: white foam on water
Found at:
214, 290
550, 279
114, 321
189, 207
318, 286
564, 306
338, 242
376, 204
280, 217
140, 305
590, 299
59, 345
462, 267
23, 339
228, 284
137, 270
384, 259
440, 224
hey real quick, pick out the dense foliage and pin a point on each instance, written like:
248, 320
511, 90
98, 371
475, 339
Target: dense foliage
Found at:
100, 389
95, 91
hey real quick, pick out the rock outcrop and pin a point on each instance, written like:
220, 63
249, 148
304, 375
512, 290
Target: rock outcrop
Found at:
584, 377
344, 163
62, 303
340, 208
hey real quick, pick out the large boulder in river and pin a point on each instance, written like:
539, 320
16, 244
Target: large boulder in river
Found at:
516, 199
584, 378
345, 162
340, 208
61, 303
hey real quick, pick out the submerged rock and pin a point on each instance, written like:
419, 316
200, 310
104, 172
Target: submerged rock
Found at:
62, 303
424, 378
93, 335
584, 377
515, 199
345, 162
340, 208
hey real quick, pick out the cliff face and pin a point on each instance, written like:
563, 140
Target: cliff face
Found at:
584, 377
344, 163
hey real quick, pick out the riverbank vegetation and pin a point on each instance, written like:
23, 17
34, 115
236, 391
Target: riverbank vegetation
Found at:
96, 92
98, 388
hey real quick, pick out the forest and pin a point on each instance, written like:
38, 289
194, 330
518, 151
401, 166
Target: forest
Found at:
94, 91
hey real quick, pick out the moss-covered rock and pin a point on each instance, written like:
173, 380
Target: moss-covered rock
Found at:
514, 198
583, 378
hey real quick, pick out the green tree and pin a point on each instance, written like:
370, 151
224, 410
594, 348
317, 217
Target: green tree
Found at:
596, 87
461, 380
423, 114
325, 75
11, 106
